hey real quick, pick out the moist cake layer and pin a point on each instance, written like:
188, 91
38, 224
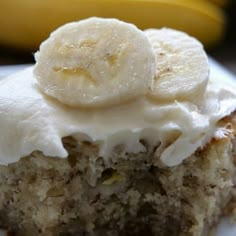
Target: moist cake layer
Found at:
129, 195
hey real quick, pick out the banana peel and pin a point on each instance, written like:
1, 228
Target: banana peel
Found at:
25, 24
221, 3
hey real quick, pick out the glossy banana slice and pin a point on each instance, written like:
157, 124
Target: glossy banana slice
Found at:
182, 69
95, 62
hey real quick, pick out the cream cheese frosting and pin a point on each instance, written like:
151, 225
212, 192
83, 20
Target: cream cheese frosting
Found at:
30, 120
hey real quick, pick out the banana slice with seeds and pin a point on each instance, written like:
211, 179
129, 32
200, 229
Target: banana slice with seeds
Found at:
182, 69
95, 63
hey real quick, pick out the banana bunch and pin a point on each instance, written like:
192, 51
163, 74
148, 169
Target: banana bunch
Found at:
25, 24
100, 62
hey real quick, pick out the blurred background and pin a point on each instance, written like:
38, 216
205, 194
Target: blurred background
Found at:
24, 24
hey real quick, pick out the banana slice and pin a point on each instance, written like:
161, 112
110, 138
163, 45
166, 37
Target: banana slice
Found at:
95, 62
182, 69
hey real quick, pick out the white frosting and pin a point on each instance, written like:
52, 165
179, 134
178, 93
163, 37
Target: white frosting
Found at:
29, 121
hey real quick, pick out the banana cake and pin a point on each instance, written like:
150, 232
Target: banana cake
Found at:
116, 131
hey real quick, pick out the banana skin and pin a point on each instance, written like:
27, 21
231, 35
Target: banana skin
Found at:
25, 24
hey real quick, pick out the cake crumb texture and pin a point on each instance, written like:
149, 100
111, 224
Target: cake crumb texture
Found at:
129, 194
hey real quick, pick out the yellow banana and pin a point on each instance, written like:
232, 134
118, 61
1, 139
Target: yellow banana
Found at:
221, 3
26, 23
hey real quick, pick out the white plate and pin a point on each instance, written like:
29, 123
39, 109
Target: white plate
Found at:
225, 228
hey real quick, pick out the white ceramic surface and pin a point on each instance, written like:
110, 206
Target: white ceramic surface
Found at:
225, 228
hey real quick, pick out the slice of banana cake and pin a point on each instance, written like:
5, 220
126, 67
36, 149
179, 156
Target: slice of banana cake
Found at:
116, 131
